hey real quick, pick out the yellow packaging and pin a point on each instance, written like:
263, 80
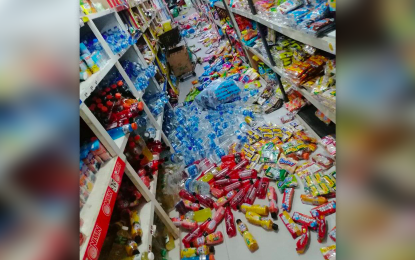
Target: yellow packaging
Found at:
259, 209
136, 231
256, 219
166, 25
250, 241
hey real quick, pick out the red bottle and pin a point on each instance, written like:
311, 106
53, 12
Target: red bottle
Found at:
205, 200
251, 194
245, 174
230, 223
217, 218
232, 186
232, 158
146, 180
222, 173
216, 192
224, 182
238, 199
197, 232
239, 167
184, 194
262, 188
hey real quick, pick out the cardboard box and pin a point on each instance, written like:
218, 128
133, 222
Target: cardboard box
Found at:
179, 61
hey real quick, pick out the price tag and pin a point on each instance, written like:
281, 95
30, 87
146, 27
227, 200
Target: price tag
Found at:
114, 185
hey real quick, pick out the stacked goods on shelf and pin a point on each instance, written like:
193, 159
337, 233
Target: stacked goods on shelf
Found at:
92, 59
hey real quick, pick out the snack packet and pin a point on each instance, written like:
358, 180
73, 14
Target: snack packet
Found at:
329, 252
287, 164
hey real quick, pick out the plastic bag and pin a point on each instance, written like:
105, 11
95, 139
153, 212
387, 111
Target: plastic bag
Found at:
218, 92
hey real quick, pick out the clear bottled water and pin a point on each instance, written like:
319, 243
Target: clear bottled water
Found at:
199, 187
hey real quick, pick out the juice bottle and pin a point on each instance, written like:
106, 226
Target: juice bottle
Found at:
245, 174
202, 215
272, 197
136, 231
251, 194
146, 152
262, 188
184, 194
169, 242
232, 186
230, 222
217, 218
193, 251
188, 224
222, 173
259, 209
190, 205
205, 200
239, 167
195, 233
256, 219
208, 239
216, 192
225, 199
132, 248
249, 239
234, 203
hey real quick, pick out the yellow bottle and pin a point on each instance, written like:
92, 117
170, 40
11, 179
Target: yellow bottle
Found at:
169, 242
259, 209
256, 219
207, 177
202, 215
249, 239
193, 251
136, 231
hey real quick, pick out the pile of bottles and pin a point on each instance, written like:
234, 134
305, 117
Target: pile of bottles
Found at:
138, 75
118, 40
93, 156
156, 102
93, 57
196, 133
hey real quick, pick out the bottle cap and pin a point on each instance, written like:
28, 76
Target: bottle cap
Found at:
150, 256
134, 126
151, 140
99, 105
103, 93
191, 244
107, 89
238, 221
104, 109
140, 112
194, 193
109, 103
137, 138
98, 101
238, 207
211, 249
124, 228
274, 215
109, 96
147, 168
92, 107
117, 95
274, 226
141, 156
120, 83
197, 201
166, 159
205, 234
163, 252
136, 252
113, 86
258, 178
151, 176
131, 144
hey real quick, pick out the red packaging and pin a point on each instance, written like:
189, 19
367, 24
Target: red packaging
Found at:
287, 199
303, 241
245, 174
188, 224
146, 181
217, 193
217, 218
236, 158
205, 200
232, 186
197, 232
273, 202
230, 223
224, 199
224, 182
184, 194
332, 234
322, 228
237, 200
325, 209
239, 167
262, 188
290, 224
251, 196
191, 205
305, 220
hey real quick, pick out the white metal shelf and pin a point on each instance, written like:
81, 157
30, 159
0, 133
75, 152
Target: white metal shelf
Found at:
325, 110
97, 210
326, 43
146, 212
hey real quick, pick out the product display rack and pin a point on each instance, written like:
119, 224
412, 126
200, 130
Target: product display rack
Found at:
326, 43
98, 208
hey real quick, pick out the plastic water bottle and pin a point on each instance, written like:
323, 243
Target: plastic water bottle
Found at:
118, 132
199, 187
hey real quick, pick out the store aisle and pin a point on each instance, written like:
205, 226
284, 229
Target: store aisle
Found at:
185, 86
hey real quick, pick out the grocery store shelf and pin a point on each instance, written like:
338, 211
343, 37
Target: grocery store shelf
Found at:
146, 221
88, 86
97, 211
326, 111
122, 142
326, 43
217, 23
219, 4
105, 12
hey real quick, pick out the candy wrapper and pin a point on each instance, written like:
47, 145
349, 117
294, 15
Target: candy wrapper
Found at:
274, 173
290, 224
305, 220
295, 104
329, 252
303, 136
289, 5
329, 142
269, 153
303, 241
325, 209
293, 146
287, 199
332, 234
306, 165
310, 200
322, 160
322, 228
287, 164
289, 182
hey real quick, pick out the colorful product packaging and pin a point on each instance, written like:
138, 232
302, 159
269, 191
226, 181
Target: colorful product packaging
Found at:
290, 224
